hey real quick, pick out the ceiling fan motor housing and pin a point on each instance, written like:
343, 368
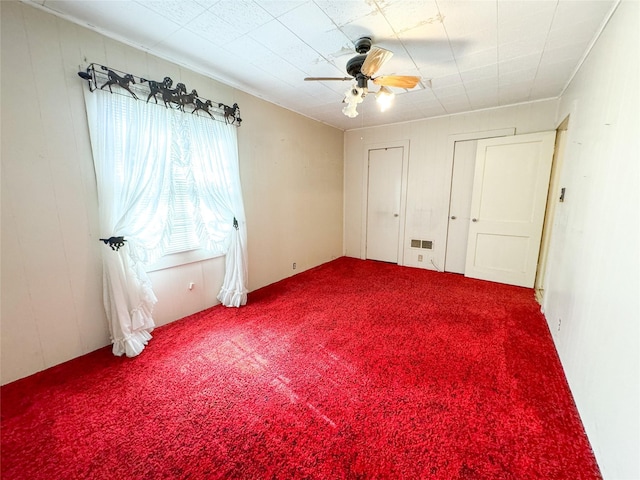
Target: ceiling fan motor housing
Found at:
363, 45
355, 64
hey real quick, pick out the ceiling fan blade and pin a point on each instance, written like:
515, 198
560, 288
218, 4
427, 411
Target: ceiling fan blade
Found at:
322, 79
375, 59
400, 81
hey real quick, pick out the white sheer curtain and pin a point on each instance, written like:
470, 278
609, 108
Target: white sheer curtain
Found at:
221, 207
136, 148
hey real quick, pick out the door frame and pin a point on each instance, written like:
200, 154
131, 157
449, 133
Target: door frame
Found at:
451, 145
403, 193
552, 201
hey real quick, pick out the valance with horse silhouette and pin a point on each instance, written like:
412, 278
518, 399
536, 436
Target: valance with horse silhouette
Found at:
101, 77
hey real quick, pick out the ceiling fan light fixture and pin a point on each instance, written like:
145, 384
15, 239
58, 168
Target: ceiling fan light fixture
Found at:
352, 98
350, 110
384, 98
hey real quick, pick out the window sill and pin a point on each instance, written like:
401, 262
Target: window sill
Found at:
182, 258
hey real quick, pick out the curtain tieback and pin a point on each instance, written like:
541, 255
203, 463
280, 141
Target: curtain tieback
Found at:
114, 242
235, 223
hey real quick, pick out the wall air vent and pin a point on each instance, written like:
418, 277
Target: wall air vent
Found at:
428, 244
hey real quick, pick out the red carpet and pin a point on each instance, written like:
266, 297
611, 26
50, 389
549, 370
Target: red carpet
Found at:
352, 370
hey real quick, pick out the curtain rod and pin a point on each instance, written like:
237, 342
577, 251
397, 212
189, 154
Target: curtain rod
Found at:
99, 77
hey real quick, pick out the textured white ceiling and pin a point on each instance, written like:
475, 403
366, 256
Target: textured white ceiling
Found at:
470, 54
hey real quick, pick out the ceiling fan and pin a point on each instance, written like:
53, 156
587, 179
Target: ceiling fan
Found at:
362, 68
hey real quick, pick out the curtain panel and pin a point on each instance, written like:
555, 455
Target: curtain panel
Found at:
137, 147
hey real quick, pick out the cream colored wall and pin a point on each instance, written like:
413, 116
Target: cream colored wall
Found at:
51, 311
292, 176
429, 175
593, 275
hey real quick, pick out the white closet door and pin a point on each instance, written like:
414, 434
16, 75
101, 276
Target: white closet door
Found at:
464, 160
507, 207
383, 204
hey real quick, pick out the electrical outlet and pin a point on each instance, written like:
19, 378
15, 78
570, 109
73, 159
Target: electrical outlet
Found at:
293, 266
420, 258
559, 323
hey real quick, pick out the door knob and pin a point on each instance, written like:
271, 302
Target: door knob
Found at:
474, 219
453, 217
395, 215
